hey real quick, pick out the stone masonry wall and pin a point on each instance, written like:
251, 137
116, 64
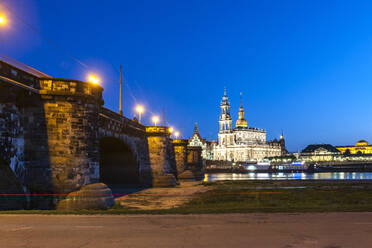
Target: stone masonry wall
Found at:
70, 110
12, 135
180, 150
50, 130
12, 138
194, 158
161, 151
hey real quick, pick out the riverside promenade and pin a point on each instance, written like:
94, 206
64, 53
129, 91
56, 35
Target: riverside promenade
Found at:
327, 230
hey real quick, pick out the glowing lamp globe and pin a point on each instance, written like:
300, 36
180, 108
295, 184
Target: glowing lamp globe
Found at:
93, 79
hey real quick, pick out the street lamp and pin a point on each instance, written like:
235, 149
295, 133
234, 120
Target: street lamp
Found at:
155, 119
176, 134
171, 130
139, 110
93, 79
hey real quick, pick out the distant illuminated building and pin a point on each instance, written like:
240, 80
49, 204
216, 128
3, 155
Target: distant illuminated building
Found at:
328, 154
239, 144
207, 146
361, 147
243, 143
320, 152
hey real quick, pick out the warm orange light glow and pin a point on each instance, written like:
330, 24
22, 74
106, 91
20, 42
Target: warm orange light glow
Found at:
93, 79
155, 119
171, 130
140, 109
176, 134
3, 20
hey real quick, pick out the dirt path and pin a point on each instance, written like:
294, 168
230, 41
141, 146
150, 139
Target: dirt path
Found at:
162, 198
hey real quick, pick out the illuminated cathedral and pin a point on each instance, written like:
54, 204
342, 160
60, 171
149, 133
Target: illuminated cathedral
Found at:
239, 144
243, 143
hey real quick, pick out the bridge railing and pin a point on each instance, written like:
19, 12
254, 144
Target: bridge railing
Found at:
60, 86
123, 122
23, 76
158, 130
11, 72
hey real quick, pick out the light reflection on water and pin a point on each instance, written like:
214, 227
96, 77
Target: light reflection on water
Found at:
288, 176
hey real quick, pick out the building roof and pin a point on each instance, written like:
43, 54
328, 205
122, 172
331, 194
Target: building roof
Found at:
23, 67
249, 129
314, 147
196, 133
359, 143
362, 143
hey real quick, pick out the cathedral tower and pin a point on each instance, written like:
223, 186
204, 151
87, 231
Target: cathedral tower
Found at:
241, 122
282, 144
225, 117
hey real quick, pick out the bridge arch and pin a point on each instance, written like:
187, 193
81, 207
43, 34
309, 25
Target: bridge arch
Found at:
118, 162
11, 192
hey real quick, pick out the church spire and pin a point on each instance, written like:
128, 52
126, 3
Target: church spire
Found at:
241, 101
241, 122
196, 130
224, 98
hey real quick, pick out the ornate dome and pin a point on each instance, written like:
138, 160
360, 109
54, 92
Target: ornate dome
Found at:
362, 143
241, 123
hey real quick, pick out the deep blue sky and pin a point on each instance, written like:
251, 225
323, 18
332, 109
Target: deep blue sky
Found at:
303, 66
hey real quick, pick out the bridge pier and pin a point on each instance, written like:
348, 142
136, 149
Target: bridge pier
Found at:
180, 151
161, 152
49, 136
70, 112
195, 161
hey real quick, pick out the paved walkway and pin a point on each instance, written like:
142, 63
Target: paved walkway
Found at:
327, 230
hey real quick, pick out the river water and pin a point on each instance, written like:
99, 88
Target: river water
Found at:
212, 177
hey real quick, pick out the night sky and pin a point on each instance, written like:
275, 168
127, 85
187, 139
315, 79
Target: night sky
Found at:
304, 67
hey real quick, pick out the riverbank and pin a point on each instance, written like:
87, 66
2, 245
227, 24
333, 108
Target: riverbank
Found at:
241, 197
285, 196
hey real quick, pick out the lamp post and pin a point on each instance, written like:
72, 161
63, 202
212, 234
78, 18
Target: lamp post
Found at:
155, 119
139, 110
121, 92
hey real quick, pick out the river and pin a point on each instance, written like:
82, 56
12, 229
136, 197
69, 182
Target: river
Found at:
212, 177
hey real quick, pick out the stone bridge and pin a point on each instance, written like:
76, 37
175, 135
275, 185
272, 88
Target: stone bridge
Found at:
56, 136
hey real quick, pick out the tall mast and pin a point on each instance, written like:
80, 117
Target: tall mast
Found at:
121, 92
163, 118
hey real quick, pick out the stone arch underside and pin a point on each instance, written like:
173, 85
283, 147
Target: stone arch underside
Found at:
118, 163
11, 193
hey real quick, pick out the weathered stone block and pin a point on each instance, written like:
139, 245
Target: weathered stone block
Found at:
167, 180
187, 175
92, 196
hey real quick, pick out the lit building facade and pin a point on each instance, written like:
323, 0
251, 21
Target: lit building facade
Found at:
361, 147
243, 143
328, 154
207, 146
